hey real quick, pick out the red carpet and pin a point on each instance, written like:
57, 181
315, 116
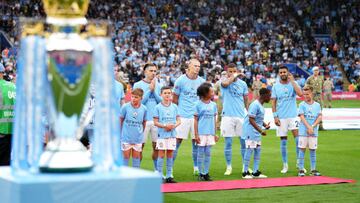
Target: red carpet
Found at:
253, 183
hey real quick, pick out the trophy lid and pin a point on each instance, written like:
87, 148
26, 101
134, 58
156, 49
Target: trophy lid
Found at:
66, 10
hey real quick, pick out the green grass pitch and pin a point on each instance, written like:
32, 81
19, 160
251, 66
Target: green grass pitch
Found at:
338, 155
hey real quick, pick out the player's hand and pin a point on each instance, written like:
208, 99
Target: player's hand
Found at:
197, 139
277, 121
310, 131
172, 126
152, 85
263, 133
290, 77
168, 127
267, 126
233, 77
216, 138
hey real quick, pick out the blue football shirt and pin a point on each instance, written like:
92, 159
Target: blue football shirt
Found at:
285, 96
150, 99
186, 89
311, 112
233, 99
132, 131
166, 115
256, 111
206, 113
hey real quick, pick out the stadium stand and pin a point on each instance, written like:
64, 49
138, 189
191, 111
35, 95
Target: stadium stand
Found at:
256, 36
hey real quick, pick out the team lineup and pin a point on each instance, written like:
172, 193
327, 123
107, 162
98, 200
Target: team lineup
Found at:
169, 115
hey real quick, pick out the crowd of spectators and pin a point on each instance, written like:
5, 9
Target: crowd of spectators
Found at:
350, 28
257, 36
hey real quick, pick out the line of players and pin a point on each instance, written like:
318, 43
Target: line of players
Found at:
170, 115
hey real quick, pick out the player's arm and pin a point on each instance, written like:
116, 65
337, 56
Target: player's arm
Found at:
177, 91
228, 81
246, 101
144, 125
196, 125
157, 123
295, 85
121, 122
304, 121
146, 96
175, 99
273, 107
158, 98
318, 120
178, 121
215, 120
257, 128
310, 129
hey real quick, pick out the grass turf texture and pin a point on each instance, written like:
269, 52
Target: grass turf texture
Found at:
338, 156
336, 104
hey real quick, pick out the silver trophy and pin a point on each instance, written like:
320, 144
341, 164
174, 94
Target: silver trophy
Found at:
69, 70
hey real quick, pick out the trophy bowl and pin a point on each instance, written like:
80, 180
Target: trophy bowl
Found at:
69, 69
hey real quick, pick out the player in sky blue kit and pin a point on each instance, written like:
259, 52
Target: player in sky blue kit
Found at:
132, 123
310, 116
185, 97
151, 98
253, 130
284, 110
234, 93
205, 128
166, 118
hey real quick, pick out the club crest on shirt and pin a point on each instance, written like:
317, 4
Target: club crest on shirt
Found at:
167, 112
134, 114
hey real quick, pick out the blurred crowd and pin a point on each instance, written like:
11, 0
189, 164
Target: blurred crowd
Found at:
257, 36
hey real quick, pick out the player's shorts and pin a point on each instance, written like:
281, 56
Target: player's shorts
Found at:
252, 144
231, 126
287, 124
166, 143
308, 142
127, 146
206, 140
151, 129
186, 126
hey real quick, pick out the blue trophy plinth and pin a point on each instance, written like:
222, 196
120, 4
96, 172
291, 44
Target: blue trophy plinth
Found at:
125, 185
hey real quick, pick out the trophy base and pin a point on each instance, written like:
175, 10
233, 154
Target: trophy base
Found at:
65, 156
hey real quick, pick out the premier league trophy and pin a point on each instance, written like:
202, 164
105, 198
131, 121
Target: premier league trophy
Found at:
60, 59
69, 68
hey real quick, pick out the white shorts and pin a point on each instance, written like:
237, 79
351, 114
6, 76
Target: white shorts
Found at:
287, 124
206, 140
308, 142
231, 126
151, 129
186, 126
166, 143
252, 144
127, 146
